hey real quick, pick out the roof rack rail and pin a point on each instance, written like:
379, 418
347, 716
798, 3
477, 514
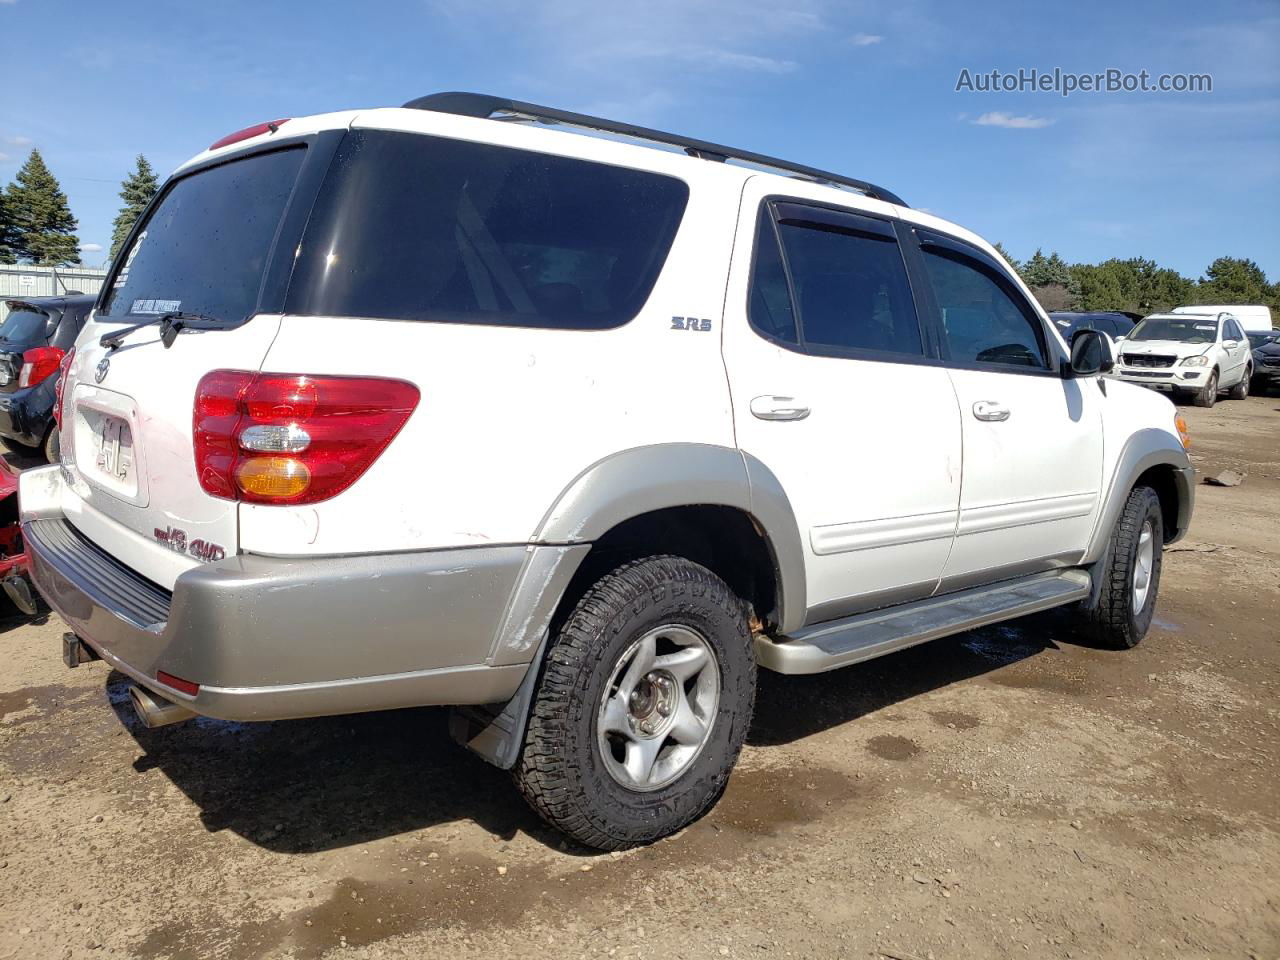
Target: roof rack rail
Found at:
485, 106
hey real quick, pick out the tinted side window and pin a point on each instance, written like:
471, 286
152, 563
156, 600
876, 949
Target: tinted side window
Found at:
851, 290
410, 227
769, 307
982, 323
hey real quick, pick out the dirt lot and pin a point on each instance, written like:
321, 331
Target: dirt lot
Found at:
1006, 793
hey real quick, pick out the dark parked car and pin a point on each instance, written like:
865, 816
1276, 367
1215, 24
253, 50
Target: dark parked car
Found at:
33, 340
1113, 323
1266, 359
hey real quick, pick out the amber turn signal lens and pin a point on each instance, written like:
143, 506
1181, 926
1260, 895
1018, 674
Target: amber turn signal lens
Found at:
278, 478
1183, 433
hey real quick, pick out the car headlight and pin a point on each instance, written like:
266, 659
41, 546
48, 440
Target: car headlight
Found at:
1199, 361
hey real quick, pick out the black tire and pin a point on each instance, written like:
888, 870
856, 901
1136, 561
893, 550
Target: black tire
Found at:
1113, 620
52, 445
562, 771
1208, 395
15, 446
1241, 389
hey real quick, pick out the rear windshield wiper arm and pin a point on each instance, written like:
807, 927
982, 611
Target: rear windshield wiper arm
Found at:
171, 324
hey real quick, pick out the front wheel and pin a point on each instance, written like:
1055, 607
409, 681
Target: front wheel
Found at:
643, 704
1241, 389
1209, 395
1130, 574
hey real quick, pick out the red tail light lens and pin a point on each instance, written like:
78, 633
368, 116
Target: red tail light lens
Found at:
248, 133
292, 438
59, 388
39, 364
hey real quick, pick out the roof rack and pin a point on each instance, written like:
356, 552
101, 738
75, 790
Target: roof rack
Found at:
485, 106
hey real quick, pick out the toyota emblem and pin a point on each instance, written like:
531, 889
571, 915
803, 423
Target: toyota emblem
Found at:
101, 373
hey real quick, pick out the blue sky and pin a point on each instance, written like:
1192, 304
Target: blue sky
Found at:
864, 88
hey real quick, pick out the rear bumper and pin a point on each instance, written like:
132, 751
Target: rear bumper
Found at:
270, 638
25, 415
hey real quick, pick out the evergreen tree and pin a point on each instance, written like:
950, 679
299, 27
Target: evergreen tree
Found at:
6, 233
1232, 280
41, 226
1041, 271
136, 191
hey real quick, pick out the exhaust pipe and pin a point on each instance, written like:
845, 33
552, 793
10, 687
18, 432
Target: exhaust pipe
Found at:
156, 711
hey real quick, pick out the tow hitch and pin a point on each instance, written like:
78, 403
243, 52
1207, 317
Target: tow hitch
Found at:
75, 651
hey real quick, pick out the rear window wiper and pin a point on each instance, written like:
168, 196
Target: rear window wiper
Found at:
171, 324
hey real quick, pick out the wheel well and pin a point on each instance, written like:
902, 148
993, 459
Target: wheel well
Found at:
1161, 480
725, 540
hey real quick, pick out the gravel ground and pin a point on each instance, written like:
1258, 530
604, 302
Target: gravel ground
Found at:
1005, 793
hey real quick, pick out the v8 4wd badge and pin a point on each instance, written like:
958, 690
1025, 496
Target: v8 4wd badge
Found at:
176, 540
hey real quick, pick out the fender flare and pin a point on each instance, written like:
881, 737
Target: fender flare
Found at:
641, 480
1147, 448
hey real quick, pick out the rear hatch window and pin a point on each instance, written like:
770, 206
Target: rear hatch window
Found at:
204, 249
24, 326
412, 227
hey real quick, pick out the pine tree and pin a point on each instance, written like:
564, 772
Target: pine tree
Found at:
6, 233
136, 192
41, 226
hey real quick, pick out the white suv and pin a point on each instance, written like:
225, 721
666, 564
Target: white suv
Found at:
1194, 356
435, 405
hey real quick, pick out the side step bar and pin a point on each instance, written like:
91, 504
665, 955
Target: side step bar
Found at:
826, 646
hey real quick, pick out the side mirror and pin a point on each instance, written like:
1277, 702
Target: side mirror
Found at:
1231, 344
1118, 339
1091, 354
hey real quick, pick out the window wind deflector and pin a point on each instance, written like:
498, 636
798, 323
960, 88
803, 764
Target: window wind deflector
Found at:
824, 218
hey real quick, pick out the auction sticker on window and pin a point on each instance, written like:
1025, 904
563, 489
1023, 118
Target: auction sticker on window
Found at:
155, 306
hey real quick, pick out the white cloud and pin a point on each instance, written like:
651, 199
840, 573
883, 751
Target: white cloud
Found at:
91, 248
998, 118
578, 52
17, 140
4, 158
865, 39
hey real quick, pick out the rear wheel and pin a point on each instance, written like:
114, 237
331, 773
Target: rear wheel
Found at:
52, 445
15, 446
1130, 574
644, 701
1241, 389
1208, 396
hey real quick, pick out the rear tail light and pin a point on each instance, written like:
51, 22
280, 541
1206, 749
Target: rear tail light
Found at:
292, 438
39, 364
60, 388
248, 133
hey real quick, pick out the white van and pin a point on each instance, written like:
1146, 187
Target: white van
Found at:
1254, 318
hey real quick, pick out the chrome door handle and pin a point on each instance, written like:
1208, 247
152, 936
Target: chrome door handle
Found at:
778, 408
990, 410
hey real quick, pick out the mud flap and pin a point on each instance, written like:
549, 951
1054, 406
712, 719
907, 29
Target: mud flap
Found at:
495, 731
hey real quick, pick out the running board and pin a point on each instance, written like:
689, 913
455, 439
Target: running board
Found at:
826, 646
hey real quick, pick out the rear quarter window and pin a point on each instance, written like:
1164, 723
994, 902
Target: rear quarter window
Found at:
413, 227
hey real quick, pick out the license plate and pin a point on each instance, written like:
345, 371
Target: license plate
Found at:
114, 441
